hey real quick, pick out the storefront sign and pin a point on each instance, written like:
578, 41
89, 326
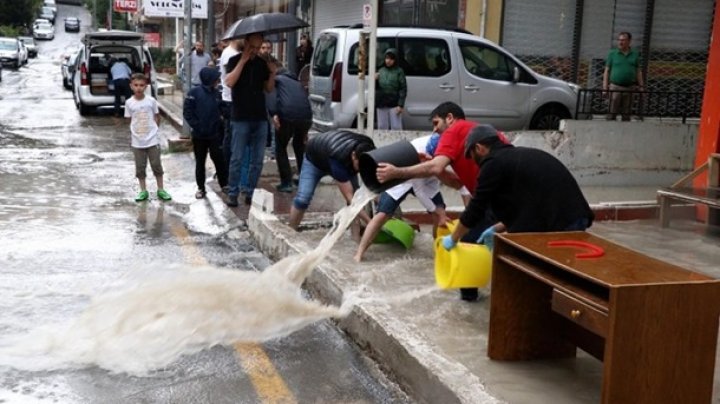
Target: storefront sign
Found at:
174, 8
125, 6
152, 39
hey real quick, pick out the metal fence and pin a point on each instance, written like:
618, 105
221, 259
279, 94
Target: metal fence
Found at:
673, 104
570, 39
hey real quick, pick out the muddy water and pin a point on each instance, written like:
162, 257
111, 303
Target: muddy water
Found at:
154, 317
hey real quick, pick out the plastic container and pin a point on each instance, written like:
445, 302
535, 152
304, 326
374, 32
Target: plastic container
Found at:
467, 265
396, 230
400, 154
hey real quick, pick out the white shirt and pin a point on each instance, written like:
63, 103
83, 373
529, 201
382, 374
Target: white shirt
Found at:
143, 127
227, 53
423, 188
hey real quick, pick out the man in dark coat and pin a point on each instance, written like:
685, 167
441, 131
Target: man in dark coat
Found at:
527, 189
201, 111
292, 118
334, 153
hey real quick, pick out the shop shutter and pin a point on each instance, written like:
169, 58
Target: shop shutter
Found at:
330, 13
538, 27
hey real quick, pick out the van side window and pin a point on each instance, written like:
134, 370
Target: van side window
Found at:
383, 44
324, 56
424, 57
485, 62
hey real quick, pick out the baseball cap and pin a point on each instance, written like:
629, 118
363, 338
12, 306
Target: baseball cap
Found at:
479, 134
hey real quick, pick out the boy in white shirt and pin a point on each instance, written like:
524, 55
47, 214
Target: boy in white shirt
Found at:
144, 119
426, 190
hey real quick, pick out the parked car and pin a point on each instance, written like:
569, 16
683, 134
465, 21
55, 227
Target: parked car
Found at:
91, 84
44, 30
67, 69
47, 13
72, 24
51, 4
440, 65
11, 52
30, 45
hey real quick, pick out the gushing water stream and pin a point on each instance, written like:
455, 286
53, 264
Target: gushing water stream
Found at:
151, 322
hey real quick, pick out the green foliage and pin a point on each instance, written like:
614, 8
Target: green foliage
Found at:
6, 30
163, 57
119, 20
16, 13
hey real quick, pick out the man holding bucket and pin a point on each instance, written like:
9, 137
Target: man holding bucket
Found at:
527, 189
335, 153
449, 119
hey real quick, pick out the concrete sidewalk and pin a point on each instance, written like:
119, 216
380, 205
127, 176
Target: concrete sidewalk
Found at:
432, 343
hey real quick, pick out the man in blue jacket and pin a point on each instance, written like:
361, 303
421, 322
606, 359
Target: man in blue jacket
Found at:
201, 111
292, 118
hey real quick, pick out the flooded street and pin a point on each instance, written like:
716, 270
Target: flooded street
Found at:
70, 231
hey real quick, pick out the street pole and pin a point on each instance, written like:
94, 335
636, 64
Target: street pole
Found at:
186, 56
372, 68
210, 25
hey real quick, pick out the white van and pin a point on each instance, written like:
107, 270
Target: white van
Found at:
440, 65
92, 85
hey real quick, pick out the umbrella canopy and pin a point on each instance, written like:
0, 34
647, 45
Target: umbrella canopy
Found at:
264, 23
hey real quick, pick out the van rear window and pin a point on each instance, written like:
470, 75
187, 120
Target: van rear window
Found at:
324, 55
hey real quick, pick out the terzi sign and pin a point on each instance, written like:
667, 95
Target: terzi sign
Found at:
125, 6
174, 8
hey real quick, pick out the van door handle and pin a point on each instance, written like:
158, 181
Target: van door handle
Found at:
446, 86
472, 87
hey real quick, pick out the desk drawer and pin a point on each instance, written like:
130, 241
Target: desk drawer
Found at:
580, 313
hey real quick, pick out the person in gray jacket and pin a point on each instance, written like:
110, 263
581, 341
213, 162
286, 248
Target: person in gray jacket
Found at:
292, 118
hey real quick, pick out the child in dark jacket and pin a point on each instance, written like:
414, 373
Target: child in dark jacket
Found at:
201, 111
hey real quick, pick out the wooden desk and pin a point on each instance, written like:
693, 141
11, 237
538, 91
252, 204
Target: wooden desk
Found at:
654, 325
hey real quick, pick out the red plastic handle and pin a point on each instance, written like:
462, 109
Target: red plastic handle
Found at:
594, 250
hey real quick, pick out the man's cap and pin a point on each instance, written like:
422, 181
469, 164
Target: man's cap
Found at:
480, 134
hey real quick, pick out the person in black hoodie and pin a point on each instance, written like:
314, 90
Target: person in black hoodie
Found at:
201, 111
337, 154
292, 118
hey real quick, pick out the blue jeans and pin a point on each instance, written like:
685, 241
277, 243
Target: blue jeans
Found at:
308, 180
248, 144
386, 204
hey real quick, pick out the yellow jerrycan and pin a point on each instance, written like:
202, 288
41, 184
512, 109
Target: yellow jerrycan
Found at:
467, 265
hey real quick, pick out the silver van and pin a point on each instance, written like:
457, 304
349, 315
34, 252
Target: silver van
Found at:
92, 86
440, 65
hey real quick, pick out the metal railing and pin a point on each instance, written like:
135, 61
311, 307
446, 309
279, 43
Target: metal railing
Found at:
660, 104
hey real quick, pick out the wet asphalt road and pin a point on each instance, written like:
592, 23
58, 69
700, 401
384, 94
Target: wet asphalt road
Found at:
69, 228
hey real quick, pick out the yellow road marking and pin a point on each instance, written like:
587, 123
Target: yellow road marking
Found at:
269, 385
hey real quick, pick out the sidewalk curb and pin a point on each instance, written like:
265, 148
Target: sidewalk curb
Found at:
179, 144
401, 351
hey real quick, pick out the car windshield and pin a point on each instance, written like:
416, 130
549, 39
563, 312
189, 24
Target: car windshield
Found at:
8, 45
44, 26
71, 19
27, 40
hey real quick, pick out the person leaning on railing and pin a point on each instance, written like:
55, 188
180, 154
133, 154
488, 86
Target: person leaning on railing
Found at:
622, 75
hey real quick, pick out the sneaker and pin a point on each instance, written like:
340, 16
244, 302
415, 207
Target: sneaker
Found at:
284, 188
200, 194
163, 195
142, 196
232, 201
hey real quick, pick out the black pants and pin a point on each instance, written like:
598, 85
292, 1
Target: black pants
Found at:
225, 111
122, 89
297, 131
201, 147
471, 294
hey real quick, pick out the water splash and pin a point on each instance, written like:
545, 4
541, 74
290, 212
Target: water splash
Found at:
151, 321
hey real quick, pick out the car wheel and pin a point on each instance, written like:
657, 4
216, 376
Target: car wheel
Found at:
549, 117
84, 109
17, 64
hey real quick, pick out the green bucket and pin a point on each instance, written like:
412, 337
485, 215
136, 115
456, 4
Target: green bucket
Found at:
396, 231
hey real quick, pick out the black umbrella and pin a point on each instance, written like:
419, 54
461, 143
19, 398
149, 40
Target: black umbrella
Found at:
264, 23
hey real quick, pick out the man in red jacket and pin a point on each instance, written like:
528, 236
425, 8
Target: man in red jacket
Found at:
448, 118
